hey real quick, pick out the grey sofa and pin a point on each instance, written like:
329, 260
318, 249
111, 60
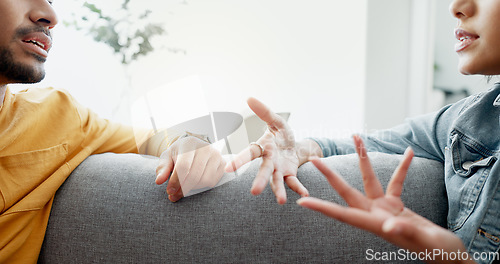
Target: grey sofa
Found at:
111, 211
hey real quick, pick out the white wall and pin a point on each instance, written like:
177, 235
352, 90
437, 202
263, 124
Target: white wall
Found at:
387, 62
338, 66
399, 61
304, 57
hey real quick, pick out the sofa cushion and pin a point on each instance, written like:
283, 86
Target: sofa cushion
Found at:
111, 211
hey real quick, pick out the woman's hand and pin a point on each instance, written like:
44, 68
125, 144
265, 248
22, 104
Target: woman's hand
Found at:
191, 164
384, 214
279, 152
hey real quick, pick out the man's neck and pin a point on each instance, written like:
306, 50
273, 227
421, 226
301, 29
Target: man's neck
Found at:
3, 89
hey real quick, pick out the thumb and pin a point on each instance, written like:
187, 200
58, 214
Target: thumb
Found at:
164, 169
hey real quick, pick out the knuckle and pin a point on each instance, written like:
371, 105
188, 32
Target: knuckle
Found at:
206, 181
159, 168
268, 145
279, 180
346, 192
213, 152
165, 154
173, 184
182, 168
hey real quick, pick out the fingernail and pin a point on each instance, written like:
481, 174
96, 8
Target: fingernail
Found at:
171, 190
408, 149
159, 173
173, 198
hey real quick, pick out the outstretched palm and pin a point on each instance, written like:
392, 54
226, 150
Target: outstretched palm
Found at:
279, 155
384, 214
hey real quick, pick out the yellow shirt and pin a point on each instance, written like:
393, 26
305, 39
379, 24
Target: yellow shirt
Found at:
44, 136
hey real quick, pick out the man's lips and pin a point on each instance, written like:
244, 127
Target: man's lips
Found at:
38, 42
465, 39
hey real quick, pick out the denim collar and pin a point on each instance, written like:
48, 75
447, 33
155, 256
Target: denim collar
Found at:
496, 103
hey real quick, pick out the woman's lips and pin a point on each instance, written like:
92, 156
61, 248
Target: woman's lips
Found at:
465, 39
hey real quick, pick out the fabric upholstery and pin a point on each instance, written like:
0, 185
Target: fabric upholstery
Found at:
111, 211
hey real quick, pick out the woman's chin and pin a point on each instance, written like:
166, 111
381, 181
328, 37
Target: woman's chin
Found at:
466, 68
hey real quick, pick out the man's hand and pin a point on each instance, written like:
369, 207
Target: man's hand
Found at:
279, 152
191, 164
384, 214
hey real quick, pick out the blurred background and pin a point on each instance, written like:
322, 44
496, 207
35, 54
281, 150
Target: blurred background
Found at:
338, 67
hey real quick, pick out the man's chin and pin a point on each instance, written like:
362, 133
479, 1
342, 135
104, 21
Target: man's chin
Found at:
30, 81
19, 72
27, 76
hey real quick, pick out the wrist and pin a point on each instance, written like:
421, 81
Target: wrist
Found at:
307, 149
163, 140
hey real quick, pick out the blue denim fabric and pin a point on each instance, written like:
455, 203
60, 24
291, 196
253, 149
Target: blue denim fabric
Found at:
465, 136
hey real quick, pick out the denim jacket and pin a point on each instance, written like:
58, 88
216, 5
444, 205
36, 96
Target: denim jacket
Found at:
465, 136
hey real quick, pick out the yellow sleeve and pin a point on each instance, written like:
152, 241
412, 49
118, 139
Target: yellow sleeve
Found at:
103, 135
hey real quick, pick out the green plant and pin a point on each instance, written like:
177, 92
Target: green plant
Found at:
127, 32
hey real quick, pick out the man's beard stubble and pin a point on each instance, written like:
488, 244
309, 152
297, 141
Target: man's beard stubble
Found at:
18, 72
